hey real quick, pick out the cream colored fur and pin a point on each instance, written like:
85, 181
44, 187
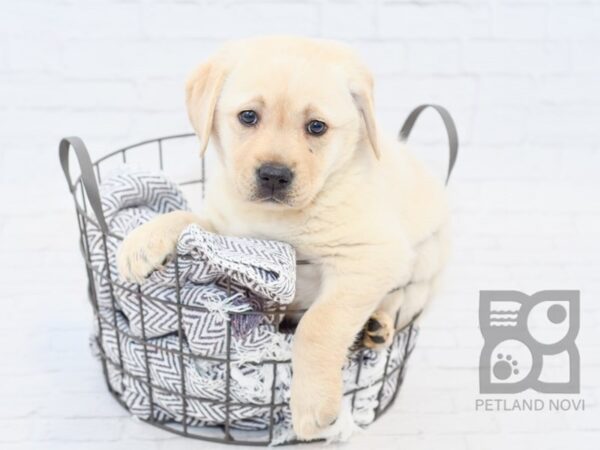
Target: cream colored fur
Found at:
362, 209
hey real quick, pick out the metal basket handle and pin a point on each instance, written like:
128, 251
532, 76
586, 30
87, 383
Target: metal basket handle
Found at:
87, 175
450, 130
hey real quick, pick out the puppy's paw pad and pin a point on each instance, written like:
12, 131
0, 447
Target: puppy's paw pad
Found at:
378, 332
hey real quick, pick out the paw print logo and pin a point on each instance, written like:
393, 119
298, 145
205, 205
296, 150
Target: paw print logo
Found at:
510, 362
505, 367
523, 332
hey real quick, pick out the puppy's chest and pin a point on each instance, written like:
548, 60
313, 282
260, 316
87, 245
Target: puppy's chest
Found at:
306, 236
308, 285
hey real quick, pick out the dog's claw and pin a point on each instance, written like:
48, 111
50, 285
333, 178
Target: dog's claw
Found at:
166, 260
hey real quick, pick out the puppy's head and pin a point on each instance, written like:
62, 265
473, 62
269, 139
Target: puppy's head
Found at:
285, 113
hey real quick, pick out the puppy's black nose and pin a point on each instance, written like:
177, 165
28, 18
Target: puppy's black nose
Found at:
274, 176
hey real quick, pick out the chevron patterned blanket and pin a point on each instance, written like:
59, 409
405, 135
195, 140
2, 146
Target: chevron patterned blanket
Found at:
224, 283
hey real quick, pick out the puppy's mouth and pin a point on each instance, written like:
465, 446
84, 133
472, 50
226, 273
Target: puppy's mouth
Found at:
271, 196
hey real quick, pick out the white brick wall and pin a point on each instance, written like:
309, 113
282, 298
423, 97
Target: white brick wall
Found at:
522, 78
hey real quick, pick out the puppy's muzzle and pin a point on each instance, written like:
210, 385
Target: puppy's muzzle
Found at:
273, 181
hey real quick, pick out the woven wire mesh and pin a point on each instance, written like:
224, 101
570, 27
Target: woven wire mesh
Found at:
393, 374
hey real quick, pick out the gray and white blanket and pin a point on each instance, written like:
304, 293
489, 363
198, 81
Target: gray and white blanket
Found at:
225, 282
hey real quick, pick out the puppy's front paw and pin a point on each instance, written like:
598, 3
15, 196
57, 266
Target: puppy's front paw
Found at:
379, 331
144, 250
315, 404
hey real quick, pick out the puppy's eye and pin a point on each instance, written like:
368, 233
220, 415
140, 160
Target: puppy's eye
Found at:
316, 127
248, 118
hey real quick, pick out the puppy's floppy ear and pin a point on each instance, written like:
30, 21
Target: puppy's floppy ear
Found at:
361, 87
202, 91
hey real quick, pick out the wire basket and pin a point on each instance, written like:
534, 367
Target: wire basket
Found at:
86, 196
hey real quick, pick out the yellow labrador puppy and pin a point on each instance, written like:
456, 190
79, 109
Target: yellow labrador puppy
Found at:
300, 159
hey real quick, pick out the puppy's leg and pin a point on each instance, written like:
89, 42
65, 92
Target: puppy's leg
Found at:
148, 246
323, 337
398, 308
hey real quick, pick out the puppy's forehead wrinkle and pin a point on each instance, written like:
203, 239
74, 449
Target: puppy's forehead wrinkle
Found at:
254, 101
